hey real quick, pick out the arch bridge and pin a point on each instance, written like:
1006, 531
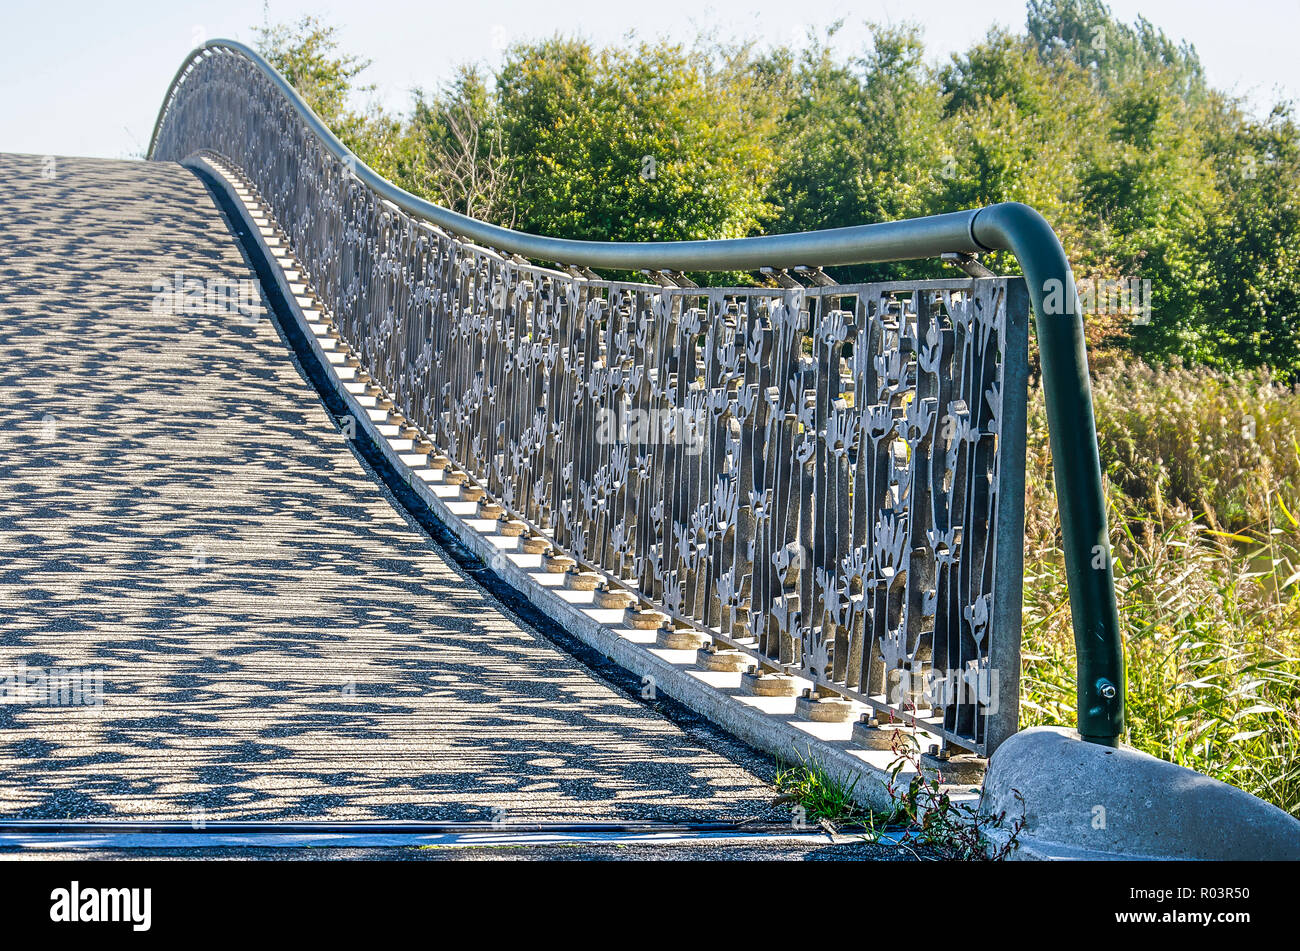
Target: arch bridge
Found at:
794, 511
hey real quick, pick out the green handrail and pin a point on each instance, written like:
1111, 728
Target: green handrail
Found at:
1076, 464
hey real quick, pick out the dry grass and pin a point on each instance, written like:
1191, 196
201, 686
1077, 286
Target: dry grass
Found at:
1204, 489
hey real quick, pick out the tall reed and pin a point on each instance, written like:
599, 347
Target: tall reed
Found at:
1203, 484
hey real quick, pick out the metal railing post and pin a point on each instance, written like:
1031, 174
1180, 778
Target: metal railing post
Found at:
1076, 464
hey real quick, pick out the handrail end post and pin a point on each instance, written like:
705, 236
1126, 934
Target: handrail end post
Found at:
1076, 461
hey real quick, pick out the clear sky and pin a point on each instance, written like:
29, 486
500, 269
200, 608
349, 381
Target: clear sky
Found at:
86, 78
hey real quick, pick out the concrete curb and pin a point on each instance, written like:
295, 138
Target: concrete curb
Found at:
1085, 801
765, 723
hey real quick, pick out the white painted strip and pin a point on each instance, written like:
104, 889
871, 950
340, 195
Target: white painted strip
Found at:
263, 840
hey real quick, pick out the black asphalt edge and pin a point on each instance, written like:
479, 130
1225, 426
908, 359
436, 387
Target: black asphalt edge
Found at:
409, 504
217, 827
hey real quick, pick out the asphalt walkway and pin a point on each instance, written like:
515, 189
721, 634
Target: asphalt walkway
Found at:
181, 517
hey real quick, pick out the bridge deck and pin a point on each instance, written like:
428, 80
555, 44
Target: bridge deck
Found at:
178, 509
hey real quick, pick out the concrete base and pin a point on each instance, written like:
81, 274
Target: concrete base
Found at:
680, 638
966, 769
534, 544
870, 735
768, 685
643, 620
557, 564
722, 659
823, 709
1088, 801
576, 580
607, 598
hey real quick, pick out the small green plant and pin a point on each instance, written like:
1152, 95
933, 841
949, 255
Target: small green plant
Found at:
824, 799
922, 812
930, 819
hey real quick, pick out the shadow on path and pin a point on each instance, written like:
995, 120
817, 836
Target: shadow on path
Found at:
178, 510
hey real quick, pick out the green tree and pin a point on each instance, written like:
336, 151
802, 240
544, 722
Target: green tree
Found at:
456, 151
1252, 247
1019, 128
860, 141
1089, 35
650, 143
1149, 196
307, 54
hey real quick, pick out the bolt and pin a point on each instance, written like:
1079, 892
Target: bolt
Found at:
934, 749
1106, 689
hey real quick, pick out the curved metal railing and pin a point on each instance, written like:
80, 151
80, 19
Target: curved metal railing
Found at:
815, 474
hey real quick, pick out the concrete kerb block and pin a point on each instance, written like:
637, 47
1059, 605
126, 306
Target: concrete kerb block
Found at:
556, 562
576, 579
871, 734
643, 619
1082, 800
671, 637
609, 597
965, 769
534, 544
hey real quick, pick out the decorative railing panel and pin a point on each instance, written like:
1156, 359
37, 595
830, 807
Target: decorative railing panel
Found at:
829, 478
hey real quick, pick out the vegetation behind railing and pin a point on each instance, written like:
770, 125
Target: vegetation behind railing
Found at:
1109, 129
1204, 488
